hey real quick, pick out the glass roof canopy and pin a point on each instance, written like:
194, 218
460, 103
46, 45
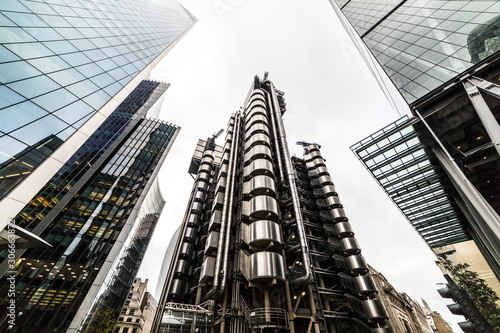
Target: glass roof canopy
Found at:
399, 158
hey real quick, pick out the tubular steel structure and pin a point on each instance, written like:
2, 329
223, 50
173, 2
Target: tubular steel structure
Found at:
265, 240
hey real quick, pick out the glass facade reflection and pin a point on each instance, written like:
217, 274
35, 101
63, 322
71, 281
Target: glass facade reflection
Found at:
484, 40
85, 211
422, 44
62, 60
442, 167
116, 286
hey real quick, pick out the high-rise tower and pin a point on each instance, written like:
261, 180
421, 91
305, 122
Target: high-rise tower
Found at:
442, 165
97, 214
80, 149
65, 65
265, 245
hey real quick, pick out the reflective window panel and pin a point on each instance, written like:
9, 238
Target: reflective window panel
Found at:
422, 44
62, 60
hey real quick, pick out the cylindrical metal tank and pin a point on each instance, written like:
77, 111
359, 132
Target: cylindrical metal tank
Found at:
187, 251
330, 202
325, 191
183, 269
257, 139
190, 235
263, 207
335, 214
265, 266
312, 155
178, 288
260, 185
258, 152
374, 310
256, 119
257, 102
319, 171
315, 163
263, 232
258, 167
321, 181
256, 110
197, 207
193, 220
343, 229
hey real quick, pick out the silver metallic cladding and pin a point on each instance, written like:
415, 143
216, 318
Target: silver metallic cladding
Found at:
293, 191
220, 249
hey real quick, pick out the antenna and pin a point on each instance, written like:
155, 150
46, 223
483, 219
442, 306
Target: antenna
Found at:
305, 144
216, 135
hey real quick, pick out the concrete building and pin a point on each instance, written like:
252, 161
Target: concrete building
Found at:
138, 312
436, 321
440, 165
405, 314
265, 245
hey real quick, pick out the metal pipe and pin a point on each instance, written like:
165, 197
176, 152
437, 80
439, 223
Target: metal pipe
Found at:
224, 309
215, 286
230, 208
293, 249
307, 278
173, 262
288, 225
276, 143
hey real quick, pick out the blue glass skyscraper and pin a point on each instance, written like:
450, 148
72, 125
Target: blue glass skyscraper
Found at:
80, 149
65, 65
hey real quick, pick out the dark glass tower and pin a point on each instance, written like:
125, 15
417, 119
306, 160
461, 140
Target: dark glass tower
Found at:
90, 213
265, 245
114, 292
441, 166
65, 65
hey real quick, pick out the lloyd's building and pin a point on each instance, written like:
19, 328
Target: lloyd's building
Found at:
441, 164
265, 244
80, 149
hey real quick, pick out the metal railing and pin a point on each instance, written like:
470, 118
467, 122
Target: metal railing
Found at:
264, 317
206, 307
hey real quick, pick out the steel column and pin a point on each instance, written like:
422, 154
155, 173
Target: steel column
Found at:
483, 111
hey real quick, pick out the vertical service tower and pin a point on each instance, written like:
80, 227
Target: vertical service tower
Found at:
265, 245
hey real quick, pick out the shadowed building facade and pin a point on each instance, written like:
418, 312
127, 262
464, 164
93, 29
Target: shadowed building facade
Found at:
405, 314
97, 213
265, 245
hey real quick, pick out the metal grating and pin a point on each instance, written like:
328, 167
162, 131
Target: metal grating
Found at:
398, 157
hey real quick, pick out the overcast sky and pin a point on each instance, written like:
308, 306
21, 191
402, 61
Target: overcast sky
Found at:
332, 99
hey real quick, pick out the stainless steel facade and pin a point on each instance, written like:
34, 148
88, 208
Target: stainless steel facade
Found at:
90, 215
265, 245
